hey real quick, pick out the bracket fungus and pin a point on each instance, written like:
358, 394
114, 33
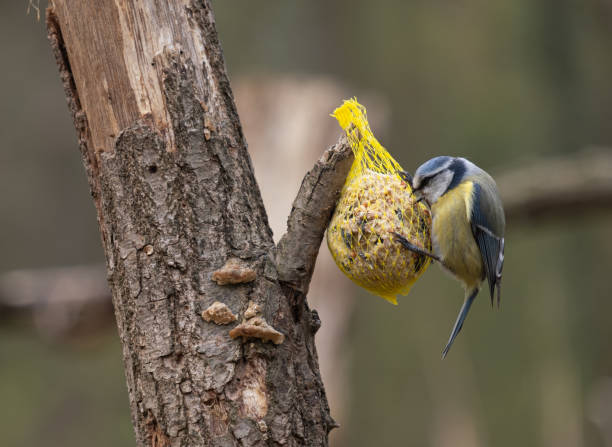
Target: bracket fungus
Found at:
219, 313
235, 271
255, 326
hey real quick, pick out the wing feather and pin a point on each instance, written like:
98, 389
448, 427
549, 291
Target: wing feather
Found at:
488, 233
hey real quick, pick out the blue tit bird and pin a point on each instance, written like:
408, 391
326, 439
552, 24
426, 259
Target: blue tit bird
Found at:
468, 226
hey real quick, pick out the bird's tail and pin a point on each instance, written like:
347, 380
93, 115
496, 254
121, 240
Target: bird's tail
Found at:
460, 319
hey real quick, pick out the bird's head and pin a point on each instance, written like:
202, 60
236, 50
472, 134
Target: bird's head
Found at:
437, 176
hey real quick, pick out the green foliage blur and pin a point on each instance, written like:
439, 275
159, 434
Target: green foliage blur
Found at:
499, 82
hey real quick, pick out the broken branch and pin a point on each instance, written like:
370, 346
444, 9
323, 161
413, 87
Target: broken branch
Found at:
312, 209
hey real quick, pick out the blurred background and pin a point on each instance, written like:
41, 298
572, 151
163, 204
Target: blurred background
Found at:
516, 86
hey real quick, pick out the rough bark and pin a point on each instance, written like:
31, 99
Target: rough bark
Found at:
176, 199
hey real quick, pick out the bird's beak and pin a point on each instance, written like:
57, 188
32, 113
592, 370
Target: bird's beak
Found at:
418, 196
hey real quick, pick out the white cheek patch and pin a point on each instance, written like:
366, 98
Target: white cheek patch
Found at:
437, 186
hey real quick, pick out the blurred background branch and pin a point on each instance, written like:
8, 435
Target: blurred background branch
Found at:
61, 300
575, 184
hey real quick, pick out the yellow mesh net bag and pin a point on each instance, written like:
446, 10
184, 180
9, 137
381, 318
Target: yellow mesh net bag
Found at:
376, 201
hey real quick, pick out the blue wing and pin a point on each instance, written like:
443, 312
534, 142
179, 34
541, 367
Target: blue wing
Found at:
488, 230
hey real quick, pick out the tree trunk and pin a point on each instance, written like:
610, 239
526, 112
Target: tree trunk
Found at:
183, 226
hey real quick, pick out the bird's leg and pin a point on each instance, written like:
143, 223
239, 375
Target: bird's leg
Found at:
460, 319
421, 251
410, 246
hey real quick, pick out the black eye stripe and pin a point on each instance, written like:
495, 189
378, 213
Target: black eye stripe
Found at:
425, 181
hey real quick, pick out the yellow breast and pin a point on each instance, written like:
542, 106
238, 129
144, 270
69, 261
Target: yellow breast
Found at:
452, 235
